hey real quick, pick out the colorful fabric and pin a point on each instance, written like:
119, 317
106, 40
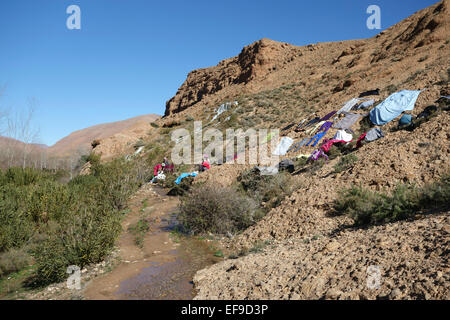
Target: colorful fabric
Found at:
343, 135
316, 139
288, 127
313, 129
348, 121
206, 165
374, 134
328, 116
329, 143
361, 138
348, 105
161, 176
393, 106
309, 123
169, 168
298, 145
185, 175
325, 127
303, 156
405, 120
317, 154
375, 92
158, 167
366, 104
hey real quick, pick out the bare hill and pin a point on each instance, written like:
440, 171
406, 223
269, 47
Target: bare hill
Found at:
82, 139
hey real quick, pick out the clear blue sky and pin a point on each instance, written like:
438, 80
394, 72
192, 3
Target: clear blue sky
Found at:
130, 56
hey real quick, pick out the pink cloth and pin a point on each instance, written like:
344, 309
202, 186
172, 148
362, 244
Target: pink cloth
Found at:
328, 143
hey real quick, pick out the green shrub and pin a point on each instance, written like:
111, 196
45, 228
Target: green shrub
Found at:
217, 210
267, 189
118, 181
365, 125
390, 89
345, 163
155, 154
180, 189
75, 223
14, 260
139, 229
436, 194
24, 177
16, 225
305, 165
367, 207
81, 239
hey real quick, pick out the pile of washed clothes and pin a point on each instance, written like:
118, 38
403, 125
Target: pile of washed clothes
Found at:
315, 130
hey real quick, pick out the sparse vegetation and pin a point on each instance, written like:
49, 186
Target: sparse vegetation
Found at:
139, 144
391, 88
139, 230
14, 260
367, 207
269, 190
304, 165
345, 163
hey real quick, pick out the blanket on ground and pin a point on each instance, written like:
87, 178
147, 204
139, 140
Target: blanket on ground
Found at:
393, 106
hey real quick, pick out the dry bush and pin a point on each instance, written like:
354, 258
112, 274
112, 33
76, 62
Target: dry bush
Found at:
209, 208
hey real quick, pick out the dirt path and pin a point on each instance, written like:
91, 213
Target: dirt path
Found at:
163, 267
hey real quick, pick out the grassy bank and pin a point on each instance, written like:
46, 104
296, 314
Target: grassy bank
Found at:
51, 225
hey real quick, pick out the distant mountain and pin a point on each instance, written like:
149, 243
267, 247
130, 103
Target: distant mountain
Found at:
81, 140
4, 141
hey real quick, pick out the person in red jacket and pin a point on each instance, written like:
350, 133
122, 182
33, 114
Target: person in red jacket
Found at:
205, 163
158, 168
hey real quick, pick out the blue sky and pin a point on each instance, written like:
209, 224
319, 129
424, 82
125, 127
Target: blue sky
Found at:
130, 56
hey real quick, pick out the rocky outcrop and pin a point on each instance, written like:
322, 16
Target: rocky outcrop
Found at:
253, 63
268, 64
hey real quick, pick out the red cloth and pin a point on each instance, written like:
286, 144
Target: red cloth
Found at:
327, 145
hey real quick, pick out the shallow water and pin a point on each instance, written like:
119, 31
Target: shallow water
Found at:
170, 279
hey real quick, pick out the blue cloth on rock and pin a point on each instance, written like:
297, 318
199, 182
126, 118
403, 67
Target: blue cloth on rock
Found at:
185, 175
393, 106
405, 120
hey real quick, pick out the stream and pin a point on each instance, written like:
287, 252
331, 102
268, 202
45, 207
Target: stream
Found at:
163, 268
